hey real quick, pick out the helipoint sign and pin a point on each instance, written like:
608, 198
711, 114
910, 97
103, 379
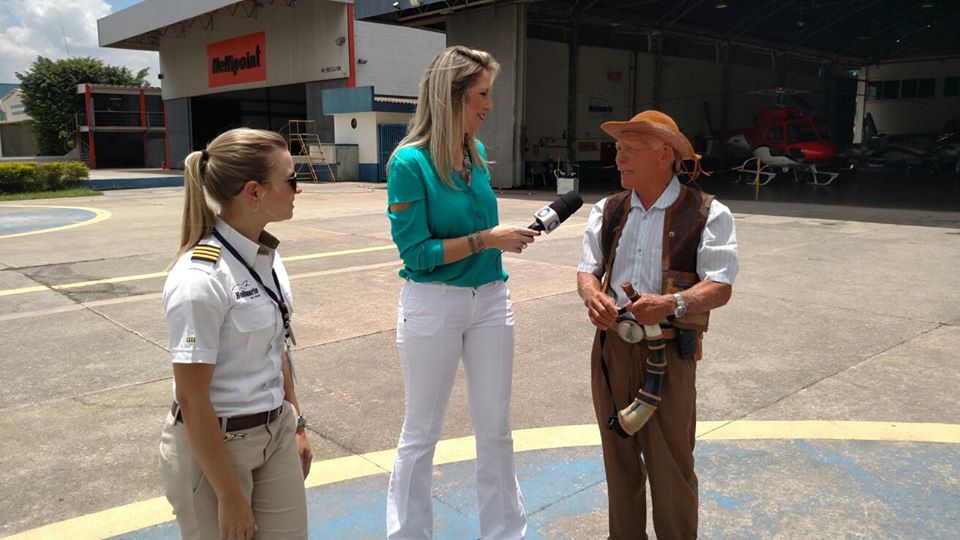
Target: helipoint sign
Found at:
237, 60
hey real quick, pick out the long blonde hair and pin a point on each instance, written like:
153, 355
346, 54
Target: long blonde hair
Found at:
231, 160
440, 102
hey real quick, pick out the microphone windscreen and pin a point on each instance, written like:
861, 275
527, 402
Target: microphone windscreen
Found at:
566, 205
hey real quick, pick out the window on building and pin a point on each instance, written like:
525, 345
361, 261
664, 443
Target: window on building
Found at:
891, 90
905, 89
908, 88
951, 86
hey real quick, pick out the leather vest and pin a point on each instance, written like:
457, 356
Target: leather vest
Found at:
683, 224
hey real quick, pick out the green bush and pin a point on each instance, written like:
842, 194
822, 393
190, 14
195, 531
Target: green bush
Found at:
19, 177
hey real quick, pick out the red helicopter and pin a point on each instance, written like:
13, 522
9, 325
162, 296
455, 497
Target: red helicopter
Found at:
783, 139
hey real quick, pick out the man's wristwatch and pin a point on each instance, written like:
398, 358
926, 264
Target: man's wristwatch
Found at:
681, 309
301, 422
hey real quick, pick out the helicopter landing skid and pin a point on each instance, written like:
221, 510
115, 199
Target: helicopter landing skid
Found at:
817, 178
748, 173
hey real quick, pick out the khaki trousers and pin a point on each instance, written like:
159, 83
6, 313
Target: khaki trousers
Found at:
267, 464
661, 451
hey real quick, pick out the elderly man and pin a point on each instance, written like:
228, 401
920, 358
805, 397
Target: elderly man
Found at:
677, 246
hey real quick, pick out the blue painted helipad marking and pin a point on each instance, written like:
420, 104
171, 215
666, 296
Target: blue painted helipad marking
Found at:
18, 219
748, 489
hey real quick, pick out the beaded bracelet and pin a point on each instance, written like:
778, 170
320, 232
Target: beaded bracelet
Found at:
473, 243
480, 246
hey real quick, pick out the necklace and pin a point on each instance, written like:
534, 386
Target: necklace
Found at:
466, 172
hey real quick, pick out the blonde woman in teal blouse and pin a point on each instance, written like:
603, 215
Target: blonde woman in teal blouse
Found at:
455, 303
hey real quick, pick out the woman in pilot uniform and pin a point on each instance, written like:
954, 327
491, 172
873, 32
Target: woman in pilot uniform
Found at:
234, 452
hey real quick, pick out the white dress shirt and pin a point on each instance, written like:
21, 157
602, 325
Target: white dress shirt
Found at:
218, 314
639, 251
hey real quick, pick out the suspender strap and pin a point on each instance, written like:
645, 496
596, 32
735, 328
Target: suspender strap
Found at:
611, 249
612, 421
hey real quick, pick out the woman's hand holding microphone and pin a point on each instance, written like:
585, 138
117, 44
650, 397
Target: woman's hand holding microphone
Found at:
509, 238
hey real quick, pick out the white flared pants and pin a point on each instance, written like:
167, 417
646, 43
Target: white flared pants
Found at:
437, 325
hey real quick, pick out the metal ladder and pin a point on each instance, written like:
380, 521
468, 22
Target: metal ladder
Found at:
303, 141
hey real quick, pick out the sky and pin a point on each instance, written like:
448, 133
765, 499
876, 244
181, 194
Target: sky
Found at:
51, 28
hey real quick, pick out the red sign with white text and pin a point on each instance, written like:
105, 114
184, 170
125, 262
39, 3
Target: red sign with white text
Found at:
237, 60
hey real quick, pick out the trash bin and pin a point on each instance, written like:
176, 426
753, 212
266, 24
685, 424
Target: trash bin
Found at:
567, 182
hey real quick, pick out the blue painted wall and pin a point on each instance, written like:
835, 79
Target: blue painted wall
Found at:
356, 100
369, 172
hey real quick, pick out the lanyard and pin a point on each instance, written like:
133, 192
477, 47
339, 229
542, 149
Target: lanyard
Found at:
278, 300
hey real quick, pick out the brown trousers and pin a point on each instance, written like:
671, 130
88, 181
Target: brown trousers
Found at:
662, 450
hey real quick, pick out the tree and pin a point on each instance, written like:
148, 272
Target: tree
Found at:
50, 95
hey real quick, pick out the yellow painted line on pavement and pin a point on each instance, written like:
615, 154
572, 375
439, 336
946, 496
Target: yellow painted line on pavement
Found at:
143, 514
338, 253
99, 215
139, 277
80, 284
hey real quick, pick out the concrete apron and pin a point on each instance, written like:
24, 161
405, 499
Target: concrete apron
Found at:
826, 396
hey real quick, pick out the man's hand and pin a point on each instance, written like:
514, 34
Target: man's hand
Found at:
306, 453
602, 310
652, 308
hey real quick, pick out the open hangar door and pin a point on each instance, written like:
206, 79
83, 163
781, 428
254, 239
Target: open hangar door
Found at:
261, 108
723, 68
716, 66
617, 77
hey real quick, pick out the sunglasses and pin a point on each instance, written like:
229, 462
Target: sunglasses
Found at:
293, 180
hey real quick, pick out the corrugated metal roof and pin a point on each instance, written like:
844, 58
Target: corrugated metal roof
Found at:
149, 16
394, 99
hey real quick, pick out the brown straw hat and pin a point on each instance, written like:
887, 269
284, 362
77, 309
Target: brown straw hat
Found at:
660, 126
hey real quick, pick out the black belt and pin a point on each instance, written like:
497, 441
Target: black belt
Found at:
236, 423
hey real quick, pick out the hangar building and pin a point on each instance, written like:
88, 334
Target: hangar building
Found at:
567, 67
263, 63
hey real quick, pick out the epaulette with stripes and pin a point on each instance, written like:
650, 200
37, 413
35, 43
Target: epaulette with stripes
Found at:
204, 252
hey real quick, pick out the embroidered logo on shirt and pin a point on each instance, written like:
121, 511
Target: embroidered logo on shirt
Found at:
244, 294
191, 339
244, 290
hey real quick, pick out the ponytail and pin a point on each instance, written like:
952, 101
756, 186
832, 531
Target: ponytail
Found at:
198, 217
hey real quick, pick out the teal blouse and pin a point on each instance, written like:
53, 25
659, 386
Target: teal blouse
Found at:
438, 212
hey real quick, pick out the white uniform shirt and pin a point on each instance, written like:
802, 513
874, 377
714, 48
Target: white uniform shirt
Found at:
218, 314
639, 251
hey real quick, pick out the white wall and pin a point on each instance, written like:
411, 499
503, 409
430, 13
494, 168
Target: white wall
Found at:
546, 100
12, 105
688, 83
395, 56
300, 47
598, 86
365, 134
501, 31
919, 115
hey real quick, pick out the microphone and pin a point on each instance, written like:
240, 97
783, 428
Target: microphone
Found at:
550, 217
